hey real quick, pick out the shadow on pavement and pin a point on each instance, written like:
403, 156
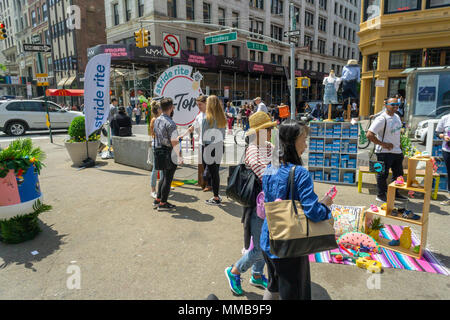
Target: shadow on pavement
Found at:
123, 172
182, 197
191, 214
253, 296
318, 292
46, 243
445, 260
232, 209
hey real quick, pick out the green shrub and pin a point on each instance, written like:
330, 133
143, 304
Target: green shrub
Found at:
77, 131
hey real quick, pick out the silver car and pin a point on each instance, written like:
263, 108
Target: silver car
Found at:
19, 116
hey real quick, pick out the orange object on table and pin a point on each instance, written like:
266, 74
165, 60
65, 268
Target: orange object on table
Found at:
284, 112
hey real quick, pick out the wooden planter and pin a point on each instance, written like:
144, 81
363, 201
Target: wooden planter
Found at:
77, 151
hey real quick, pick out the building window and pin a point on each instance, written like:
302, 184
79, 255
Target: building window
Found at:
172, 8
370, 60
273, 58
235, 21
309, 19
437, 3
340, 31
127, 11
222, 16
260, 56
405, 59
322, 24
116, 13
323, 4
308, 42
206, 12
222, 50
252, 55
33, 18
140, 5
321, 45
276, 32
395, 6
334, 49
191, 44
44, 11
297, 14
207, 49
256, 26
235, 52
190, 12
436, 57
276, 7
396, 86
257, 4
335, 29
371, 9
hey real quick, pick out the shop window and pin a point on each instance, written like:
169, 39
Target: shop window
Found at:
396, 86
396, 6
371, 9
405, 59
261, 57
437, 3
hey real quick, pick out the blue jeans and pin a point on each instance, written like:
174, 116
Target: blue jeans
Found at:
154, 175
253, 258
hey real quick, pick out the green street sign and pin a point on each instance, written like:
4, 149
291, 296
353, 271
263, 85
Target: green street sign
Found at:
226, 37
257, 46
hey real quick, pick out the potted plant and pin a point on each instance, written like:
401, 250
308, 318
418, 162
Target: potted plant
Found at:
76, 145
20, 192
407, 147
374, 228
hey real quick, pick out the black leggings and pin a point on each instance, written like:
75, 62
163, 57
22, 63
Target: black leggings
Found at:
165, 183
290, 277
213, 166
391, 161
446, 156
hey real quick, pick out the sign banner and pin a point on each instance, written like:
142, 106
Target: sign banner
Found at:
177, 83
427, 93
96, 92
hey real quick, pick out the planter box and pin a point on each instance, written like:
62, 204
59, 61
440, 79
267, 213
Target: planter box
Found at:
77, 151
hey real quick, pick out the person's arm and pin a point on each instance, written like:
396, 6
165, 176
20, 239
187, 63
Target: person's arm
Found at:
175, 142
315, 211
440, 129
188, 131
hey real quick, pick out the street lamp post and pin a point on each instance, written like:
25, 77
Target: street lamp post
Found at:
372, 87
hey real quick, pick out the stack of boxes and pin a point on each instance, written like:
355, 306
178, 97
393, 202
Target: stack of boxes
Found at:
337, 131
354, 131
437, 151
334, 161
334, 175
349, 177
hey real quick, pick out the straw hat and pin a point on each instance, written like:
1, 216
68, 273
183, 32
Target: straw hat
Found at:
352, 62
259, 120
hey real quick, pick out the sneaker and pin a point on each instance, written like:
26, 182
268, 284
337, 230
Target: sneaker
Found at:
234, 281
156, 203
446, 202
214, 202
260, 282
154, 195
166, 207
382, 198
400, 197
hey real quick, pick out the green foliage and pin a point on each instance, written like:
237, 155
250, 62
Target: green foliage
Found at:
407, 147
22, 228
19, 156
376, 224
77, 131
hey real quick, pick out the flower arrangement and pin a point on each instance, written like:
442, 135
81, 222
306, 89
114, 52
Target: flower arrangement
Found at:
77, 131
19, 156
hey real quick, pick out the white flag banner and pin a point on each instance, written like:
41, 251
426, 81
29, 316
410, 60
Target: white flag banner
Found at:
96, 92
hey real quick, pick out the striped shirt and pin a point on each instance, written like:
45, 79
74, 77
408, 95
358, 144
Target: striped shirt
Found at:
258, 158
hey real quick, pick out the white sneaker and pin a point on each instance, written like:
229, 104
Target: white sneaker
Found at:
154, 195
446, 202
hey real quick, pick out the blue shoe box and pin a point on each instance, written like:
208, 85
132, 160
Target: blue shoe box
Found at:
352, 163
327, 162
349, 177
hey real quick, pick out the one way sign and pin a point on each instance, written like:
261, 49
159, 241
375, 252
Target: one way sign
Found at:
37, 47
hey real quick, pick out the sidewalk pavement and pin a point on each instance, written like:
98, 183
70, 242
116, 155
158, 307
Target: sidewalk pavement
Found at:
102, 221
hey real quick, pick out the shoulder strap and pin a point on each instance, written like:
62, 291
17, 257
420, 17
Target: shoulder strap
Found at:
384, 130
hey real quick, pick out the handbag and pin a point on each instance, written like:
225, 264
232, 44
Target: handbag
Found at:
291, 233
125, 131
163, 160
243, 185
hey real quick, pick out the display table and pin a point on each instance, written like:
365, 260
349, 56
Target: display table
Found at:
419, 173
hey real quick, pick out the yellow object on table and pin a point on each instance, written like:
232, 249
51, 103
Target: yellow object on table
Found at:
405, 238
371, 265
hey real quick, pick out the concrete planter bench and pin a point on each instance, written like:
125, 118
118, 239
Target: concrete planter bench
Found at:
132, 151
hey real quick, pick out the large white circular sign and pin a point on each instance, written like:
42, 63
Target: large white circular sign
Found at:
178, 84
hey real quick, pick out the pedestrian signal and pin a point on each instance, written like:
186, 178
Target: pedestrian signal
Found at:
303, 82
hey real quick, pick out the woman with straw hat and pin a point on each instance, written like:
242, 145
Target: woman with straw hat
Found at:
258, 155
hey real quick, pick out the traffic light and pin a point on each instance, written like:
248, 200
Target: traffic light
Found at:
145, 37
3, 34
138, 38
303, 82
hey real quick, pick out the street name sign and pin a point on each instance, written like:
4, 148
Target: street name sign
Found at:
225, 37
293, 33
257, 46
37, 47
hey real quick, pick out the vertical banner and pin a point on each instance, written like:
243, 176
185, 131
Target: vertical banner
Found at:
96, 92
427, 94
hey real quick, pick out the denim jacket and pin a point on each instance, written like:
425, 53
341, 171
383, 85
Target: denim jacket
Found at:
275, 185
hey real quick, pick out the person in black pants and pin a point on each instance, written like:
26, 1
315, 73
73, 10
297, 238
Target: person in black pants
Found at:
213, 130
166, 139
385, 133
443, 128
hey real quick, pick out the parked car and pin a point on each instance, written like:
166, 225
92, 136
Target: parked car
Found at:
19, 116
422, 127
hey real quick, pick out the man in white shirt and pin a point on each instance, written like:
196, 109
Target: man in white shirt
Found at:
385, 134
260, 105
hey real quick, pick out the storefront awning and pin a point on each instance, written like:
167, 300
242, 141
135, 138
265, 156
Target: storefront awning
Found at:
65, 92
69, 81
61, 82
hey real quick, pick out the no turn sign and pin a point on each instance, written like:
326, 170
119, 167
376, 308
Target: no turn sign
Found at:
171, 45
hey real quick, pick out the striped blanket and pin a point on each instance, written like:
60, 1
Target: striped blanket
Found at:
391, 259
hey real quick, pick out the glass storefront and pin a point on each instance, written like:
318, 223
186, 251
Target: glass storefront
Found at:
395, 6
397, 86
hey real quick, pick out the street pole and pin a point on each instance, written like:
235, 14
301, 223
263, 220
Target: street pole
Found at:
48, 122
293, 26
374, 65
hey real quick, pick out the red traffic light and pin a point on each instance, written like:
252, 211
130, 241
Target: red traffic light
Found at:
2, 26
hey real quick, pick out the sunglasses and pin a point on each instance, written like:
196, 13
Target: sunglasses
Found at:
393, 104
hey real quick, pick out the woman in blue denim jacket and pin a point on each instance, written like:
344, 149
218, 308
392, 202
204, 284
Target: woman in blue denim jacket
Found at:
290, 277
